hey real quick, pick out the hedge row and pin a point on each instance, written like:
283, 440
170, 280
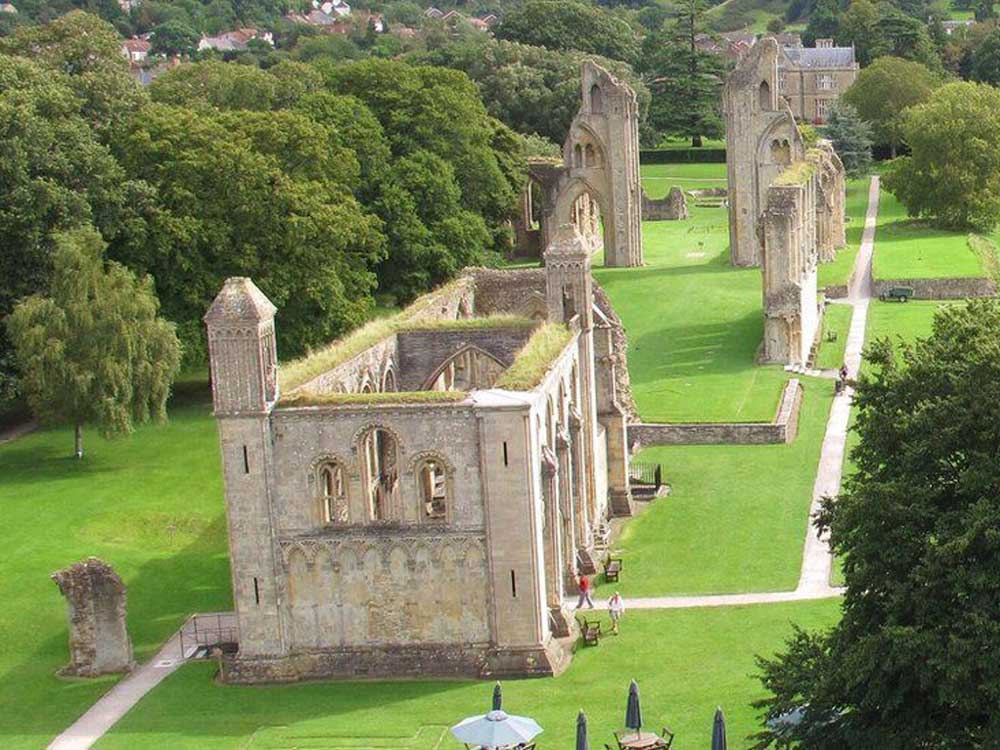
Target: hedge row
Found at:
683, 156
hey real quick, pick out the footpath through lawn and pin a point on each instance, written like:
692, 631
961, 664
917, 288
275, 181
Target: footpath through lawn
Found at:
687, 662
150, 505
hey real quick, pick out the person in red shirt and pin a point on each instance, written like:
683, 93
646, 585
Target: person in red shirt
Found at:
584, 584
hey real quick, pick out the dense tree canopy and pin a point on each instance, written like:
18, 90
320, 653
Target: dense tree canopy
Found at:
570, 24
913, 662
884, 90
851, 137
531, 89
952, 175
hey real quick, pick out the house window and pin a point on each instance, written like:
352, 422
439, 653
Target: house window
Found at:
333, 493
822, 108
824, 82
782, 81
433, 482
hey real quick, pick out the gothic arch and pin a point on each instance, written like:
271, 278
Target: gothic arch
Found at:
494, 365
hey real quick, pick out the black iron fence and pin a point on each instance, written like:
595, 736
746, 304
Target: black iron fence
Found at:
645, 474
203, 632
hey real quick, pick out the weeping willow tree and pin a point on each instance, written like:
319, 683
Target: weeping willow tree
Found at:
93, 350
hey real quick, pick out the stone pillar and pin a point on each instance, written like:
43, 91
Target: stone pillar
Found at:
567, 513
554, 545
243, 360
581, 511
96, 606
612, 418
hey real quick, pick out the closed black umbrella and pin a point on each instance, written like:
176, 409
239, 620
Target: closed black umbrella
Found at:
582, 743
497, 697
719, 731
633, 712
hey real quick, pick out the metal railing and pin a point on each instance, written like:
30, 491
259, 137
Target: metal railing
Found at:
645, 474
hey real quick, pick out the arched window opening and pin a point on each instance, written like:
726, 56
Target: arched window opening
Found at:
367, 387
333, 491
381, 477
596, 99
590, 156
389, 381
577, 155
765, 96
433, 483
534, 205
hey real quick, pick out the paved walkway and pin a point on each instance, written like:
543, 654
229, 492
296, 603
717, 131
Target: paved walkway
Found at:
817, 562
118, 701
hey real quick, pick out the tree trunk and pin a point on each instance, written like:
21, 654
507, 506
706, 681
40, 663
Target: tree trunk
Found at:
695, 141
892, 150
79, 441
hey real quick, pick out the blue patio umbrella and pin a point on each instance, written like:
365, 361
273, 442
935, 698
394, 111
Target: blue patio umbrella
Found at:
719, 731
582, 742
496, 729
633, 711
497, 697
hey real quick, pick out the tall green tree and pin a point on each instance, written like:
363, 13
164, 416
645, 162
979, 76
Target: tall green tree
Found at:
93, 350
913, 662
952, 175
851, 137
884, 90
685, 81
824, 22
570, 24
986, 59
174, 38
859, 28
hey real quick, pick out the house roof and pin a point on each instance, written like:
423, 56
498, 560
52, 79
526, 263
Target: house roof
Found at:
820, 57
136, 45
240, 299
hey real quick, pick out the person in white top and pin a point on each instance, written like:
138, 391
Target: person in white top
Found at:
616, 608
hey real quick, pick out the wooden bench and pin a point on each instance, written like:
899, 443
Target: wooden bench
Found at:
900, 293
591, 630
612, 569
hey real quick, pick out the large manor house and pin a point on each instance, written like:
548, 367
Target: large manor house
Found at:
419, 497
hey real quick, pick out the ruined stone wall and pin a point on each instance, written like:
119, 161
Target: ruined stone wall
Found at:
957, 288
672, 207
367, 370
420, 354
783, 429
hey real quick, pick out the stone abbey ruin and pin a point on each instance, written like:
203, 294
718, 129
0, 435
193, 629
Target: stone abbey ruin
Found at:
596, 183
786, 203
418, 498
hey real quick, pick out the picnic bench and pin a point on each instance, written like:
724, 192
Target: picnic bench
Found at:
591, 630
612, 569
899, 293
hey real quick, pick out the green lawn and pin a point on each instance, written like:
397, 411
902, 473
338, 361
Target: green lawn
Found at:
839, 270
657, 179
907, 249
694, 323
151, 505
836, 321
687, 662
735, 519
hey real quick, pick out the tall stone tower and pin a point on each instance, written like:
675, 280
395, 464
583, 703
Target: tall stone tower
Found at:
244, 366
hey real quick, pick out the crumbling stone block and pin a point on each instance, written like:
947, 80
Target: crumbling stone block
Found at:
98, 638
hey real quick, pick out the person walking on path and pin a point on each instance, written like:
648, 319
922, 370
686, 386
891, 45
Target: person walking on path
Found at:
616, 608
584, 584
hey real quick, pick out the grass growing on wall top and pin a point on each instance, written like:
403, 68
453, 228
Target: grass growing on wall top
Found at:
535, 358
308, 398
798, 173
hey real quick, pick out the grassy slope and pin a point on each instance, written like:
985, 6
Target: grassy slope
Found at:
686, 662
657, 179
913, 250
151, 505
725, 528
839, 270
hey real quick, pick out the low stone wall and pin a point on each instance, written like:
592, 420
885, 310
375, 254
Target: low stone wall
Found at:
670, 208
959, 288
782, 430
836, 291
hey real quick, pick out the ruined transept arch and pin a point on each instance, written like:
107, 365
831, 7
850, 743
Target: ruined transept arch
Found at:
601, 151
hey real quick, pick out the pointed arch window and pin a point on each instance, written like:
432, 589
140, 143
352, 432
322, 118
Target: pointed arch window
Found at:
432, 480
333, 492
